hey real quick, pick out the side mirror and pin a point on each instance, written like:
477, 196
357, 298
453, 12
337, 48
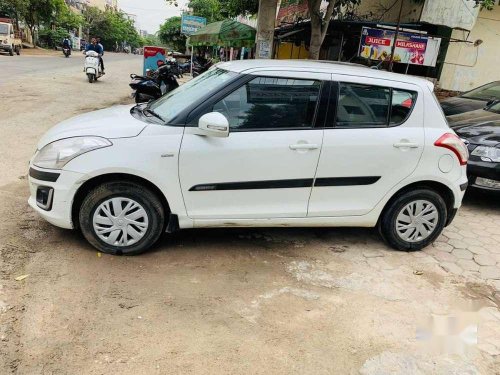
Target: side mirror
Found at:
213, 124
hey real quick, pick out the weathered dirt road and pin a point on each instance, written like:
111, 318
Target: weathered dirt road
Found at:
270, 301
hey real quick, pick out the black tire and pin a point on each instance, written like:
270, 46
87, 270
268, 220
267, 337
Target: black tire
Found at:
142, 195
11, 52
18, 51
387, 222
91, 77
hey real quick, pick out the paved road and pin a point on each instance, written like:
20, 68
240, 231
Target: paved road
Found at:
24, 64
221, 301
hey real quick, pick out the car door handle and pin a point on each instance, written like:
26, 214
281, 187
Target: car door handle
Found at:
304, 146
405, 145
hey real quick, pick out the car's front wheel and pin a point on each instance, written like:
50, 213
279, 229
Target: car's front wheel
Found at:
413, 220
122, 218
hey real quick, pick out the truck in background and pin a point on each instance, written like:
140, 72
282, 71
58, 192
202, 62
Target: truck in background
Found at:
10, 38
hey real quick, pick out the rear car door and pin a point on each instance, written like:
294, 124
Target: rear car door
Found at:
373, 139
265, 167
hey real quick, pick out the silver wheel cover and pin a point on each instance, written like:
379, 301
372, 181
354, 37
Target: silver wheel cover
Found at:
120, 221
417, 220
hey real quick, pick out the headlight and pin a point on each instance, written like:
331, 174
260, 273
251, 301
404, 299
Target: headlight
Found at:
491, 154
57, 154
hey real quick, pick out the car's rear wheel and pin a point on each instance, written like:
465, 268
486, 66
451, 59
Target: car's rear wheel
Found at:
122, 218
413, 220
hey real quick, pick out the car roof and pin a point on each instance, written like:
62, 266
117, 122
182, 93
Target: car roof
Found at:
249, 66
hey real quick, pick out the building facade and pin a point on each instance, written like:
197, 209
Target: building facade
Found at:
472, 64
468, 37
101, 4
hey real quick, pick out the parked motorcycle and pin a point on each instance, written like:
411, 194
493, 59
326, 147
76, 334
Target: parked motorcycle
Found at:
146, 88
92, 66
185, 67
201, 68
66, 51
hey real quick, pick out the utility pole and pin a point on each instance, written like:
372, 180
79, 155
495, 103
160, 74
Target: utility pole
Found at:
396, 34
265, 28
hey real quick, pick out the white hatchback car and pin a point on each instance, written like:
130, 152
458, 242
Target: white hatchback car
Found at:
257, 143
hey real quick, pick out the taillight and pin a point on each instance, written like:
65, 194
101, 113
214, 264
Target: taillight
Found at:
454, 143
407, 103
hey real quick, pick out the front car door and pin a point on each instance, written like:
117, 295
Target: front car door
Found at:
265, 167
373, 139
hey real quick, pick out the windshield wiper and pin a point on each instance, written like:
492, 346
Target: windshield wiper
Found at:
147, 111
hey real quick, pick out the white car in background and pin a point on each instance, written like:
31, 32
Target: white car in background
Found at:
257, 143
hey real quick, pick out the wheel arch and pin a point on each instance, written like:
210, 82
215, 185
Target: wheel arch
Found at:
109, 177
444, 191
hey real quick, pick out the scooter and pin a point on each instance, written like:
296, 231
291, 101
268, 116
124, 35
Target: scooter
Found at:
66, 51
147, 88
92, 66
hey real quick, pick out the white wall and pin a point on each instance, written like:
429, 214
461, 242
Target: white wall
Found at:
467, 66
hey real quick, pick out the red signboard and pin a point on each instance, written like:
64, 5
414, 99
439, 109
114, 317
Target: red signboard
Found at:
378, 41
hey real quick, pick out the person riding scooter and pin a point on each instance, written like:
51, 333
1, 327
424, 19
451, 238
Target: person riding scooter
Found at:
93, 46
66, 45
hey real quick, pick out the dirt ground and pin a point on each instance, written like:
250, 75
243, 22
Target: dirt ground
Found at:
221, 301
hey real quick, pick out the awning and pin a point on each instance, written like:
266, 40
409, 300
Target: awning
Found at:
227, 33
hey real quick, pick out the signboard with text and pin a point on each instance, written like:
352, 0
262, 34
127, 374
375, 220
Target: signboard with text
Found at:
411, 48
152, 55
191, 24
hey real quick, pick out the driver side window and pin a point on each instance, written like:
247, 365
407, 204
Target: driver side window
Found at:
271, 103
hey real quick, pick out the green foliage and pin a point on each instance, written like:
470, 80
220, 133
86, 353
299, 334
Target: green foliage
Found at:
67, 19
150, 40
486, 4
170, 34
112, 27
218, 10
210, 9
11, 8
51, 38
233, 8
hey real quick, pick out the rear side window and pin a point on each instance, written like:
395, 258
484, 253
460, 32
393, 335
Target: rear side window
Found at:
401, 105
271, 103
372, 106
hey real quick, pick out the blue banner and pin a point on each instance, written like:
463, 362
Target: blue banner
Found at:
191, 24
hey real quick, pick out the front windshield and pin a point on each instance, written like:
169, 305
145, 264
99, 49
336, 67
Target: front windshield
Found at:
4, 29
486, 92
171, 104
494, 108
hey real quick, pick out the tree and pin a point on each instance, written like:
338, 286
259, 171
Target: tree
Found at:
36, 12
217, 10
209, 9
112, 27
320, 21
67, 19
170, 34
234, 8
150, 40
12, 9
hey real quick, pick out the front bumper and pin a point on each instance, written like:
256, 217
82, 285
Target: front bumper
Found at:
63, 185
483, 174
5, 47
